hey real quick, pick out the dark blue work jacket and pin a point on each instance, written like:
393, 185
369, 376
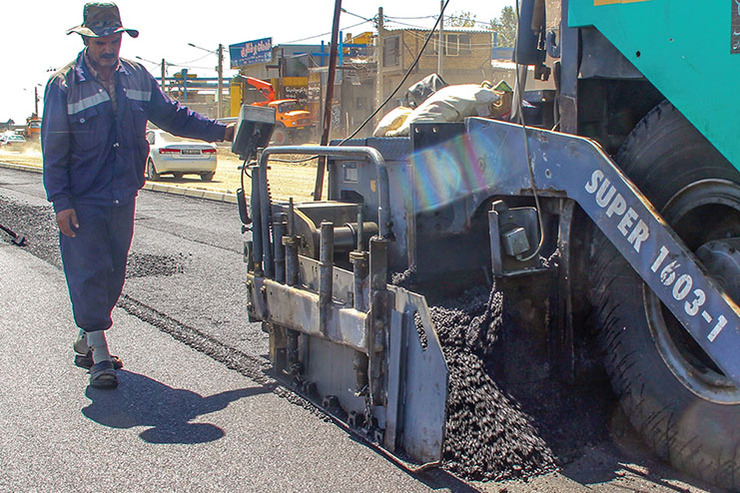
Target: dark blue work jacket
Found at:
95, 156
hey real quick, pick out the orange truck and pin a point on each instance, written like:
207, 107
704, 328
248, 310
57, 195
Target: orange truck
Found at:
292, 121
32, 132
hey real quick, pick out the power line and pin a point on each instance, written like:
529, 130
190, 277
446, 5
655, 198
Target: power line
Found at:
345, 11
411, 18
403, 79
411, 25
465, 19
192, 61
325, 34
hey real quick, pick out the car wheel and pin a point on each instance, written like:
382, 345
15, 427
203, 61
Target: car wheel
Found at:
177, 175
280, 137
151, 171
207, 176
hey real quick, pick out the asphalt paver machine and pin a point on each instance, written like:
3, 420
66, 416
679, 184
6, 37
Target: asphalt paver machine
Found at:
628, 171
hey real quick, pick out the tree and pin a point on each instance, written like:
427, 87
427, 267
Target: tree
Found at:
505, 26
461, 19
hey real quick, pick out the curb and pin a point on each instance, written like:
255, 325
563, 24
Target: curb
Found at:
22, 167
195, 193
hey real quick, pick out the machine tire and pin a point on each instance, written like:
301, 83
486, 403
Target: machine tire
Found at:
691, 420
151, 172
207, 176
177, 175
280, 136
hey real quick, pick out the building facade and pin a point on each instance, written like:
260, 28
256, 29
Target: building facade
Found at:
466, 57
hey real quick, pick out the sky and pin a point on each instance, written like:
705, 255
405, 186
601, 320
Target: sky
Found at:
32, 33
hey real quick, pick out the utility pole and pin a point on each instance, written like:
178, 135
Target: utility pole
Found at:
440, 44
164, 73
319, 185
36, 100
184, 73
220, 79
220, 70
379, 58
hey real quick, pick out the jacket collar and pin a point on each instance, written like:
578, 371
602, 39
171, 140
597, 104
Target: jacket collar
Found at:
83, 71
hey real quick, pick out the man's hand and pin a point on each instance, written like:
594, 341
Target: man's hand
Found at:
229, 135
66, 220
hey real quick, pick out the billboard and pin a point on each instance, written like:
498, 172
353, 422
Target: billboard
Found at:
249, 52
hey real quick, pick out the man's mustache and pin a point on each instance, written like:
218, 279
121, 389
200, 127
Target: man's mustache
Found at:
108, 55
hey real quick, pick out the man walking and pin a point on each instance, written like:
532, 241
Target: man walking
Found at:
94, 147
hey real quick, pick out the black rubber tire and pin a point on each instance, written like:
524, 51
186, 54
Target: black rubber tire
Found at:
663, 155
177, 176
151, 171
207, 176
280, 136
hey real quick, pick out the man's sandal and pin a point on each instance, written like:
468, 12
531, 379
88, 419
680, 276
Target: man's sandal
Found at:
86, 361
103, 376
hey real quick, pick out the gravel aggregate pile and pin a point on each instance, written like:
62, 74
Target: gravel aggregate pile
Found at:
488, 436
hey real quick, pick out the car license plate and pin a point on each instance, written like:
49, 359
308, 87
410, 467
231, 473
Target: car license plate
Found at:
191, 152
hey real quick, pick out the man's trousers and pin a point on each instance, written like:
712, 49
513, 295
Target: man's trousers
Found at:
95, 262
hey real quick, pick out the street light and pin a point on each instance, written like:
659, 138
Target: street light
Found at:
204, 49
220, 69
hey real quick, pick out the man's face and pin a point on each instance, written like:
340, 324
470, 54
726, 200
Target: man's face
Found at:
103, 52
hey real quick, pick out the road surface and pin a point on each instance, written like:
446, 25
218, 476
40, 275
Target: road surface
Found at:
196, 409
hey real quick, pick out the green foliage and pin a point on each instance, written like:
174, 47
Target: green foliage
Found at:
505, 25
461, 19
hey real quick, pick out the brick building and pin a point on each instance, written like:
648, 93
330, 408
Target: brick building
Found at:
466, 56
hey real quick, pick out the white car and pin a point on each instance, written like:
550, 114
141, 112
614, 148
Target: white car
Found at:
178, 156
12, 140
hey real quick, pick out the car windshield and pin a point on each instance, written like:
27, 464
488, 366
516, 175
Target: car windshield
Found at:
168, 138
289, 106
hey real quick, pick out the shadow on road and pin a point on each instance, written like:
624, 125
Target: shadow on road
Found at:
142, 401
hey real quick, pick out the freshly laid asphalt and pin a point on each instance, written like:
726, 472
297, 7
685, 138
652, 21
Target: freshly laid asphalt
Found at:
178, 421
200, 415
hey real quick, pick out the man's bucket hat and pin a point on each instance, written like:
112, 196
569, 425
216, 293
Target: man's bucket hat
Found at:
101, 19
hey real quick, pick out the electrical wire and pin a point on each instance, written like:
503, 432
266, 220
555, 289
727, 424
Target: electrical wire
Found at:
198, 67
191, 61
294, 161
151, 63
417, 36
411, 18
345, 11
326, 34
410, 25
484, 23
453, 28
400, 84
398, 87
403, 79
530, 168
